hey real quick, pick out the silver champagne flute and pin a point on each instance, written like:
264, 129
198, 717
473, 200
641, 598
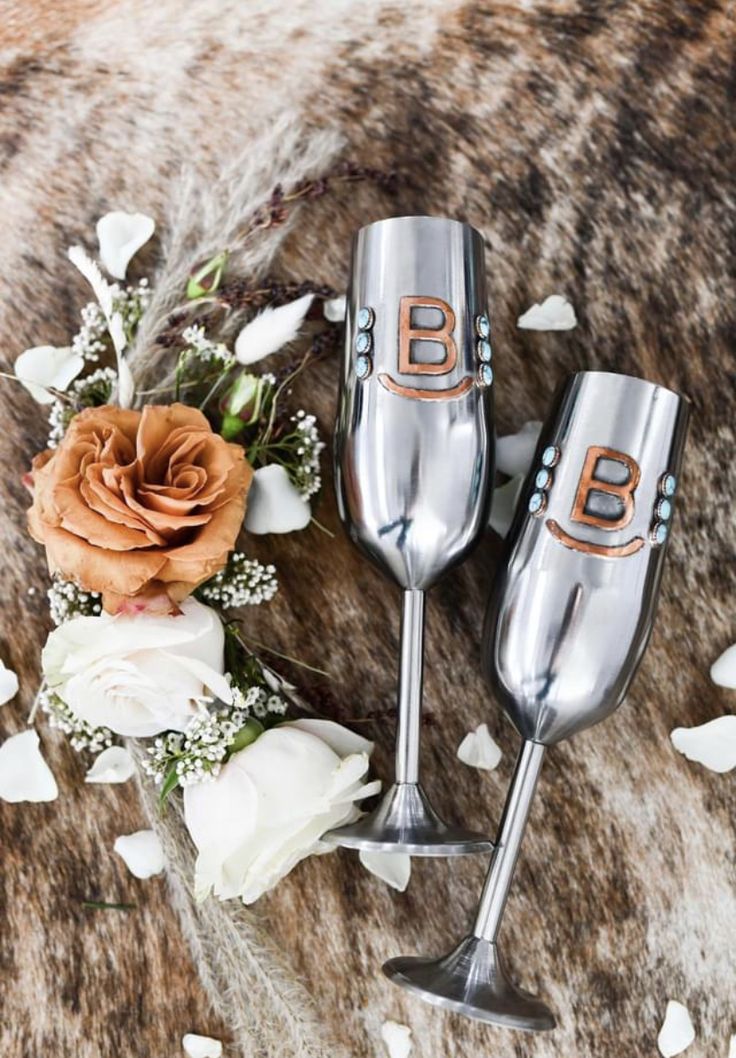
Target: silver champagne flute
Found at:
569, 620
414, 463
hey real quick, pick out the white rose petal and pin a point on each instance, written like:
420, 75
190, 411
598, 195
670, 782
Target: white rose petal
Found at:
113, 765
121, 236
677, 1032
503, 505
47, 367
201, 1046
394, 868
274, 503
479, 750
723, 671
712, 744
8, 684
397, 1038
24, 774
514, 452
271, 330
269, 807
138, 674
555, 313
142, 853
732, 1047
335, 309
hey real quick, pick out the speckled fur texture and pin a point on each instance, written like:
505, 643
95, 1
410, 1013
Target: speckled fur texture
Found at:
592, 142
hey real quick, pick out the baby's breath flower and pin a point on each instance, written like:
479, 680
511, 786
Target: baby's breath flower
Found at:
67, 600
196, 754
306, 474
90, 339
203, 348
81, 734
88, 392
243, 582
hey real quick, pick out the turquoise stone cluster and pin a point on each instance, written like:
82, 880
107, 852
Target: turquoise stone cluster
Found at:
364, 319
663, 509
543, 480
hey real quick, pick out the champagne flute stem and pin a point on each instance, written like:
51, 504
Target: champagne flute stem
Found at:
410, 687
508, 843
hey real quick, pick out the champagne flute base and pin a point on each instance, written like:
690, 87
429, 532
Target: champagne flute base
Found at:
406, 822
472, 980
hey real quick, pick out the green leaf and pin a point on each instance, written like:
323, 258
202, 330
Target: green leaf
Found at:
247, 735
207, 279
169, 784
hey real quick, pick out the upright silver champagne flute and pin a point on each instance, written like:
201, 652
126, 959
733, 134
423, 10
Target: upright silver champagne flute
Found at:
569, 620
414, 463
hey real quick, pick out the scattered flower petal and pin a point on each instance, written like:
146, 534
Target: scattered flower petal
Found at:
8, 684
335, 309
271, 329
46, 366
397, 1038
723, 671
142, 853
712, 744
24, 774
555, 313
503, 505
274, 503
200, 1046
113, 765
732, 1047
514, 453
479, 750
121, 236
677, 1030
394, 868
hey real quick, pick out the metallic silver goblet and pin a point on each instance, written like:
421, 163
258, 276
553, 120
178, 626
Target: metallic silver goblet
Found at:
414, 463
568, 622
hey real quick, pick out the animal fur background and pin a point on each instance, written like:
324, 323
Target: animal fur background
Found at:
593, 144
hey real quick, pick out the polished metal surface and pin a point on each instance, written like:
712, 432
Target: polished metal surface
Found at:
570, 617
414, 460
471, 980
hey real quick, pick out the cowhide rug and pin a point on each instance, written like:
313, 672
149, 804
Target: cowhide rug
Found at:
593, 144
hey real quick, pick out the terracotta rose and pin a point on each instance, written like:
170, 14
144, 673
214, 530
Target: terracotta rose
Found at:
135, 504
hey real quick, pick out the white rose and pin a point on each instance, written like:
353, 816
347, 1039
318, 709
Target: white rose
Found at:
271, 804
138, 674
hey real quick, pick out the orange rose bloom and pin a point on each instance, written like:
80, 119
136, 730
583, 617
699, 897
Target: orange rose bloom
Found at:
139, 503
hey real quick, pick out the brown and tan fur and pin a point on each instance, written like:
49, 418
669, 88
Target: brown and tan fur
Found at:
593, 144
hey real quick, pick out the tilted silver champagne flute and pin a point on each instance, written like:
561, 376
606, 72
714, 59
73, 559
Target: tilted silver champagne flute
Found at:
414, 463
569, 619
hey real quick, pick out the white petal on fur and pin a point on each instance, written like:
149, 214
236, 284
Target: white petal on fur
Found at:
503, 505
113, 765
479, 750
394, 868
335, 309
515, 451
274, 503
732, 1047
46, 366
121, 236
677, 1032
712, 744
397, 1038
723, 671
24, 774
142, 853
200, 1046
555, 313
8, 683
271, 329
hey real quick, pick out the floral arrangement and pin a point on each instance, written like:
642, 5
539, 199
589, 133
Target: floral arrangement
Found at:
140, 500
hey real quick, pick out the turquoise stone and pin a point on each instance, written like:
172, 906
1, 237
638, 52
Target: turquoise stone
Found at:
536, 502
543, 479
485, 374
363, 367
668, 485
484, 350
365, 318
362, 342
483, 326
550, 456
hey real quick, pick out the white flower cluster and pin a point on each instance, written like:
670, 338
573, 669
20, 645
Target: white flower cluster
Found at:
203, 348
258, 701
67, 600
197, 753
89, 341
131, 302
243, 582
307, 475
92, 390
81, 734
